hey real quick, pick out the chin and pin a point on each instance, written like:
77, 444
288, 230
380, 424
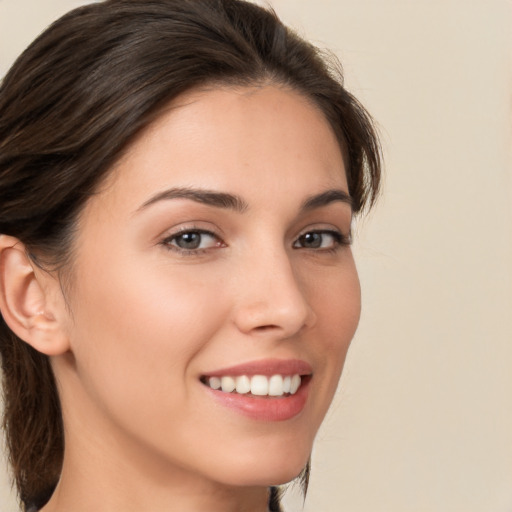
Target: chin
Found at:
267, 469
285, 475
272, 476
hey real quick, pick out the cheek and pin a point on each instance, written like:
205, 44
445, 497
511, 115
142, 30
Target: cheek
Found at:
336, 299
343, 309
337, 304
136, 332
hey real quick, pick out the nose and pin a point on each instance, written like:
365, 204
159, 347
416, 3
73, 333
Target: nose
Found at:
271, 298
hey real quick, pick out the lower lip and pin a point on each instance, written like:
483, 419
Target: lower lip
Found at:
265, 408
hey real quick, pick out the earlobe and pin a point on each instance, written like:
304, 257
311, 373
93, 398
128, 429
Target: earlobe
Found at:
27, 300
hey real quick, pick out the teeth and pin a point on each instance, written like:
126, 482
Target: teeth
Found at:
286, 384
275, 385
294, 384
227, 384
243, 384
214, 383
258, 385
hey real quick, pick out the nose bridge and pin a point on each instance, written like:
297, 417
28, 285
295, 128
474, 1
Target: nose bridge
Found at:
272, 297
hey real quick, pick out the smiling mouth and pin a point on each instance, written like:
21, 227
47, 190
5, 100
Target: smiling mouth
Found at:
257, 385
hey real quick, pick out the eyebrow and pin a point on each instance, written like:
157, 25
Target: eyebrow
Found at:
233, 202
325, 198
208, 197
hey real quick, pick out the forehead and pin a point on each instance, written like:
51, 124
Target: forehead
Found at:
223, 138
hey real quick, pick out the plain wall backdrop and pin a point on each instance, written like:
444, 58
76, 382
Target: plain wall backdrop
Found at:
423, 418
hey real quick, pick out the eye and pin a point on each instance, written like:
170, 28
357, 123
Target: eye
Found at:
321, 240
192, 240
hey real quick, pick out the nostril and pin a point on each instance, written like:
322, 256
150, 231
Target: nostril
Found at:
264, 328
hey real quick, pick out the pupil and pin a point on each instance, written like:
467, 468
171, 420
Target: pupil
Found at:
312, 240
189, 240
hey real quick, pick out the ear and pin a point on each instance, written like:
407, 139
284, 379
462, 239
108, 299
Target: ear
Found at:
31, 300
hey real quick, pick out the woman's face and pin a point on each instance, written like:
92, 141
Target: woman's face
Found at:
216, 250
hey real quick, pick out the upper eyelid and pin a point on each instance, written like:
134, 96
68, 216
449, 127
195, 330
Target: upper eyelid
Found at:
324, 228
190, 230
202, 231
337, 233
193, 226
216, 232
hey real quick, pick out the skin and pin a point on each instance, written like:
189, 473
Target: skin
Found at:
142, 320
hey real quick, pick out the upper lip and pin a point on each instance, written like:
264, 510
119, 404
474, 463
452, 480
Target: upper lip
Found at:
267, 367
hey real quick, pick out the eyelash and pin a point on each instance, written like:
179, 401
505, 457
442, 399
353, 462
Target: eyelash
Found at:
167, 242
339, 240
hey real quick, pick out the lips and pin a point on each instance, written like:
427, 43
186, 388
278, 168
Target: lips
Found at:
266, 367
269, 390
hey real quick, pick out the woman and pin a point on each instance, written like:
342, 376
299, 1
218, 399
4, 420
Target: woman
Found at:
177, 185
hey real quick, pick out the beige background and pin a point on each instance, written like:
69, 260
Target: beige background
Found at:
423, 419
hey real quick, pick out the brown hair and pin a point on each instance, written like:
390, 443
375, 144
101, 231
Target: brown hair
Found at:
72, 103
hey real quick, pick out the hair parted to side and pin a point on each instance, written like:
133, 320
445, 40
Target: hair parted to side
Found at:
69, 107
